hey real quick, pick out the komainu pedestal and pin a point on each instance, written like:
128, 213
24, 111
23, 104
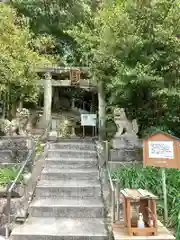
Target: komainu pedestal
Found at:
125, 142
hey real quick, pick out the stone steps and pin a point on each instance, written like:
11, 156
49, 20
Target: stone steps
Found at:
74, 208
76, 140
68, 189
72, 163
73, 146
69, 174
67, 203
67, 153
61, 229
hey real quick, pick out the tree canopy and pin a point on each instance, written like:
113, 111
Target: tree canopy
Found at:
134, 48
54, 17
20, 56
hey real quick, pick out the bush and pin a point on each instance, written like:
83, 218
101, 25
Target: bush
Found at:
8, 174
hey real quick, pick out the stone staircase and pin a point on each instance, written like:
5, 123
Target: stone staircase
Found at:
67, 203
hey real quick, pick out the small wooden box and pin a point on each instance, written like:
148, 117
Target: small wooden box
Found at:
146, 203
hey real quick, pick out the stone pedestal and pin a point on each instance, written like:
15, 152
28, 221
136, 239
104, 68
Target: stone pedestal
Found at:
118, 143
126, 148
53, 135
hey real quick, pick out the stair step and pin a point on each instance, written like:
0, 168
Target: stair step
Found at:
73, 145
69, 174
73, 163
68, 189
67, 153
75, 208
60, 229
75, 140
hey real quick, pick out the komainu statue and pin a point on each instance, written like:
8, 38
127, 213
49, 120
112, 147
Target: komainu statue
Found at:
124, 126
20, 125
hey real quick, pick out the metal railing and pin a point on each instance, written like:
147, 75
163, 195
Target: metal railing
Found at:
28, 163
103, 167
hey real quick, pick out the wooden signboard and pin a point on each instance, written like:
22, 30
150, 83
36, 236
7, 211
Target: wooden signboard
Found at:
75, 76
161, 150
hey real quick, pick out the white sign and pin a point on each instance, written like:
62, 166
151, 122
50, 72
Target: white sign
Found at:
161, 149
88, 119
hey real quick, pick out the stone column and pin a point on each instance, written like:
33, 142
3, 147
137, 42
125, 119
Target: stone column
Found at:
102, 110
47, 99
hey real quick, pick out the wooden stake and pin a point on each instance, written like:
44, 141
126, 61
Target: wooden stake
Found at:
165, 194
83, 131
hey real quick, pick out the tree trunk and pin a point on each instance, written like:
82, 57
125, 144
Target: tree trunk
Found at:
102, 110
47, 100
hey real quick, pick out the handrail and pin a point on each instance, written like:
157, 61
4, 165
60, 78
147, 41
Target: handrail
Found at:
107, 164
110, 180
25, 163
112, 188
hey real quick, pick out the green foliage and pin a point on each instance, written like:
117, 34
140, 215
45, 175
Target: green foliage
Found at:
19, 58
8, 174
134, 47
54, 18
39, 147
151, 179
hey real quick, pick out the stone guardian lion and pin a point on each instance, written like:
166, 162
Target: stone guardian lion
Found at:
124, 126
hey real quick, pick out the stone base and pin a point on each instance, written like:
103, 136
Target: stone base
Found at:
118, 143
53, 135
126, 155
114, 166
128, 141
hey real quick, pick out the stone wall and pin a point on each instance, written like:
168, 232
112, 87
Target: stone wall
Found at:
22, 195
14, 149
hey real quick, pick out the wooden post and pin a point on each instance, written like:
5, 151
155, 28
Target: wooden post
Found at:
73, 134
117, 200
165, 194
47, 99
102, 110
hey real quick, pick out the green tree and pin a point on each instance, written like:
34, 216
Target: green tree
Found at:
19, 58
134, 47
54, 17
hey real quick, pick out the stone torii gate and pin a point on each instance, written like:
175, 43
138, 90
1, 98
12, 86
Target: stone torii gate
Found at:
70, 77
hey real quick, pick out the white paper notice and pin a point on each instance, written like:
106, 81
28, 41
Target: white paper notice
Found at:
161, 149
88, 119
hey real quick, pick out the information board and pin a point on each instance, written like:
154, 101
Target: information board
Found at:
88, 119
161, 149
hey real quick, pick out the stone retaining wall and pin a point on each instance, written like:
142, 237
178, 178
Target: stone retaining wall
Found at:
19, 205
14, 149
